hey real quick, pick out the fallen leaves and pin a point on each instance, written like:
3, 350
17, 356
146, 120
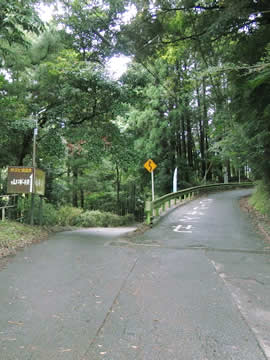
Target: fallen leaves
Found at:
64, 350
8, 339
20, 323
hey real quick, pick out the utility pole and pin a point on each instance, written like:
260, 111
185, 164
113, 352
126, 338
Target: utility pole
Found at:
35, 143
34, 166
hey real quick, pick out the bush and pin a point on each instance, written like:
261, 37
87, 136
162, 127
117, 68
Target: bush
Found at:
260, 198
104, 201
49, 212
49, 215
67, 215
97, 218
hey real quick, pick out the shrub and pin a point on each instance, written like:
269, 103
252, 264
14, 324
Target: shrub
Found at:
90, 219
49, 212
104, 201
97, 218
128, 219
67, 215
49, 215
260, 198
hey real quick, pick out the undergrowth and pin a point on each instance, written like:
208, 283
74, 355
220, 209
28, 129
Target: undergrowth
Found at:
260, 199
14, 234
71, 216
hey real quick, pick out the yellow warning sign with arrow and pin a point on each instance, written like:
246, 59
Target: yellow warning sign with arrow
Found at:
150, 165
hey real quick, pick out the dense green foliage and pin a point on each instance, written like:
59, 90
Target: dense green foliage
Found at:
195, 96
48, 214
260, 199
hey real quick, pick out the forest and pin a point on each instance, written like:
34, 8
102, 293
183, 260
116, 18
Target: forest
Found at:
195, 96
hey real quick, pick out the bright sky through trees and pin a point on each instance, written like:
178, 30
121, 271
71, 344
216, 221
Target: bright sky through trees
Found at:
117, 65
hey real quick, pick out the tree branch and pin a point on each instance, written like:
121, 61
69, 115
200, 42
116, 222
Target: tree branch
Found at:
198, 7
191, 37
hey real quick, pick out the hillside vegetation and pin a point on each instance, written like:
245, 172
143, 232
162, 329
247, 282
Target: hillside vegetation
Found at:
195, 96
14, 235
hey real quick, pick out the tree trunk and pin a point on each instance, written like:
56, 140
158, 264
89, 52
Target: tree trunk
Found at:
75, 188
82, 198
27, 140
183, 138
205, 129
201, 133
189, 139
118, 185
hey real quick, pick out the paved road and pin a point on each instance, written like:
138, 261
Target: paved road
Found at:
195, 287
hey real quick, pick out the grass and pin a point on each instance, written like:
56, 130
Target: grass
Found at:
260, 200
14, 235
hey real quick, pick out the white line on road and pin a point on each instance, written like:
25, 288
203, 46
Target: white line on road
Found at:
188, 219
183, 229
195, 213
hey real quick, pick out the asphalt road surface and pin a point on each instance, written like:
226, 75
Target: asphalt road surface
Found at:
195, 287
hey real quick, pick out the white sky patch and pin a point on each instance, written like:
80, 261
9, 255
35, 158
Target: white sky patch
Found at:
129, 14
117, 65
46, 12
6, 74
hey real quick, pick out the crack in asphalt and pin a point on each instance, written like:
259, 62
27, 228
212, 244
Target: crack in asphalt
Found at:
195, 247
111, 308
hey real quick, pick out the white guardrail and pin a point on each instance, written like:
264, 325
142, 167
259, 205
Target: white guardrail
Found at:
7, 202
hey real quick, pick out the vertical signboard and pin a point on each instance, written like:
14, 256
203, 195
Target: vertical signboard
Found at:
25, 180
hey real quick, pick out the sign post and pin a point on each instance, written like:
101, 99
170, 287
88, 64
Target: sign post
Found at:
26, 180
150, 166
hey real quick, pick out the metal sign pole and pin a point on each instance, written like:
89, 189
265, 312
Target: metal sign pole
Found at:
153, 188
33, 179
150, 166
35, 144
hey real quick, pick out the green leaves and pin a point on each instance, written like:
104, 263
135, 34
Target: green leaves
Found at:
16, 18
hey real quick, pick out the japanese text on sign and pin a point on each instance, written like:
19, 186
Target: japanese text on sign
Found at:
25, 180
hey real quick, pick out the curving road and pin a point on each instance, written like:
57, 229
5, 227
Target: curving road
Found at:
195, 287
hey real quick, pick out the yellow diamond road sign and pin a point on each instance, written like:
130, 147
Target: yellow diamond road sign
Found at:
150, 165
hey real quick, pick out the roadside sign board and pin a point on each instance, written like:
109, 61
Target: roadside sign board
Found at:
150, 165
25, 180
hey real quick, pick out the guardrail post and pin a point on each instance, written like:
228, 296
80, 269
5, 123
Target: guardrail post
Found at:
3, 214
164, 206
148, 211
